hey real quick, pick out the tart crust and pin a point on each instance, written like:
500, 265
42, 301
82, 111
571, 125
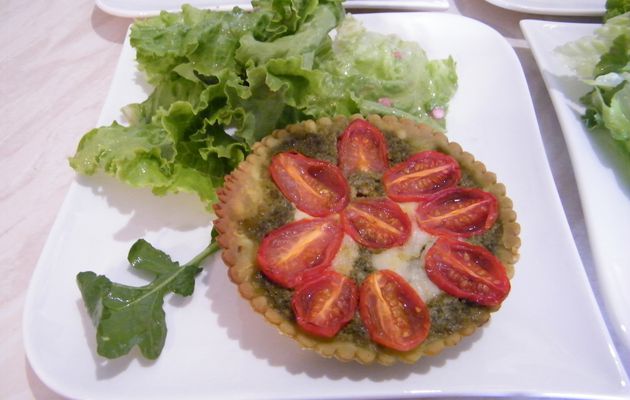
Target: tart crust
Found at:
241, 193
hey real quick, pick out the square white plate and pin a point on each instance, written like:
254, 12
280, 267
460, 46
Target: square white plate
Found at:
554, 7
147, 8
548, 339
598, 164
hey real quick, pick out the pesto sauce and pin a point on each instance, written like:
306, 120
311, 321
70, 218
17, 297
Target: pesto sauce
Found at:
398, 150
467, 181
366, 184
489, 239
323, 147
356, 333
279, 297
362, 266
270, 215
450, 314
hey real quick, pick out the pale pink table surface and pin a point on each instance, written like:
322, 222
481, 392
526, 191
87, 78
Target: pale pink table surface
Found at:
57, 59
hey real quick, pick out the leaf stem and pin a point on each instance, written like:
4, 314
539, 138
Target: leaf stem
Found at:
212, 248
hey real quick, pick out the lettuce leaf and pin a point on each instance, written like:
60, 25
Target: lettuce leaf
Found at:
616, 7
370, 72
177, 151
246, 74
602, 61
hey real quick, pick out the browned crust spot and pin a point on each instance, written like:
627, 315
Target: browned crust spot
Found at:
240, 191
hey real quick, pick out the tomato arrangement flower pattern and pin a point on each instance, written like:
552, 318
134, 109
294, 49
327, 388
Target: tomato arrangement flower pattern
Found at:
298, 255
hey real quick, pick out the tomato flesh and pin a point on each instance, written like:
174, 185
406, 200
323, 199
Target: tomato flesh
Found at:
376, 223
393, 313
289, 254
325, 304
316, 187
362, 148
467, 271
420, 176
459, 212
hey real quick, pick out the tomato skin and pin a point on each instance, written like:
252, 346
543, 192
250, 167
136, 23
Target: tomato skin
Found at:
458, 212
325, 304
420, 176
467, 271
377, 223
291, 253
392, 311
362, 147
316, 187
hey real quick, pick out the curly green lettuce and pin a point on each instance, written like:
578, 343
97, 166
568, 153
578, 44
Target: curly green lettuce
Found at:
246, 74
602, 61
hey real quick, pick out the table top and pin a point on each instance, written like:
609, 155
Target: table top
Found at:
56, 65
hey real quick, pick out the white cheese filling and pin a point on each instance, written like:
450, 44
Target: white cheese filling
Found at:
346, 256
406, 260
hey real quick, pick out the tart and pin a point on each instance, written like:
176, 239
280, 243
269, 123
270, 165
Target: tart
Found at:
373, 240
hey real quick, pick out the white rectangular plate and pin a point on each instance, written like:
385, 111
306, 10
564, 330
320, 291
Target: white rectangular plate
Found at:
548, 339
602, 169
554, 7
147, 8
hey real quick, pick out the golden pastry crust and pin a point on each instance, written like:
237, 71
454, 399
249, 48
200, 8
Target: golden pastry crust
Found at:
242, 192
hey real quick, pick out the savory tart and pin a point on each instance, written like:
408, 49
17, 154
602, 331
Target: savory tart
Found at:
371, 240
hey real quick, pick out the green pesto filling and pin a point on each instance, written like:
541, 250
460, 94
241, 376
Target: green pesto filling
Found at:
279, 297
356, 333
271, 214
366, 184
398, 150
467, 181
362, 266
322, 147
489, 239
448, 314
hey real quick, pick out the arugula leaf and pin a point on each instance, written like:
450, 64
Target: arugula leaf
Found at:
127, 316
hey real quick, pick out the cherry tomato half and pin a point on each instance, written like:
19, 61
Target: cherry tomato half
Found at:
362, 147
316, 187
393, 313
377, 223
325, 304
467, 271
420, 176
460, 212
290, 253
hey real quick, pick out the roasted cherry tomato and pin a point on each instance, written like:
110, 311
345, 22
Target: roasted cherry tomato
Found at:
362, 147
393, 313
460, 212
377, 223
467, 271
316, 187
290, 253
324, 304
421, 175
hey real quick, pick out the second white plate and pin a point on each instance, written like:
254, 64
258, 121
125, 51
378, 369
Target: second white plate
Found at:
554, 7
602, 169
